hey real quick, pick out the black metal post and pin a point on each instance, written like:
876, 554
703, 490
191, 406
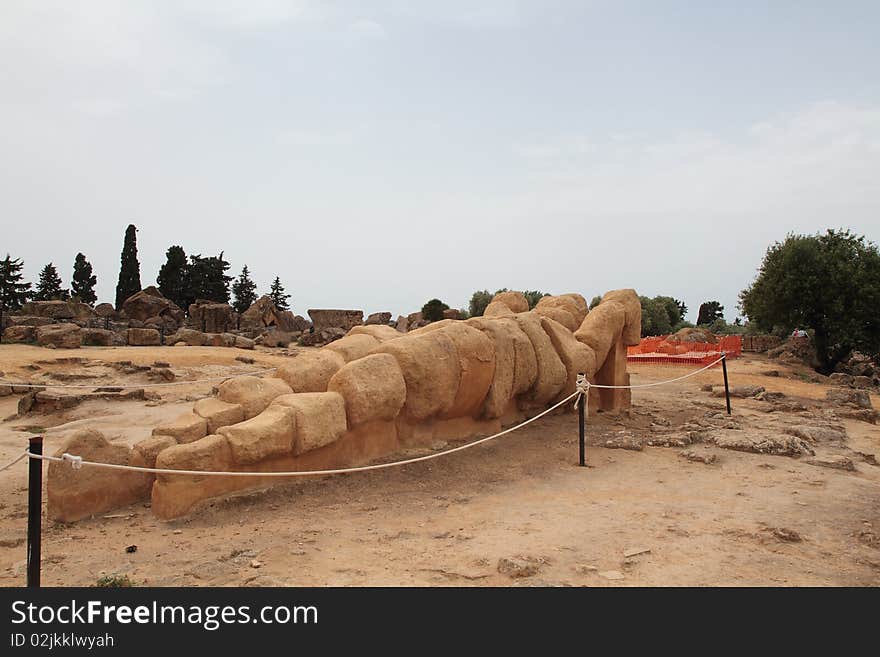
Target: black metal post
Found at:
204, 323
162, 334
35, 511
726, 385
582, 404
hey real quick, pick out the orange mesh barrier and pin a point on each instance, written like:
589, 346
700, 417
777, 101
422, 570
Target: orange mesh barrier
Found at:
660, 350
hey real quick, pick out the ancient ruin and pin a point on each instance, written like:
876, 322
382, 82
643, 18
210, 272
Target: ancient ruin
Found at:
372, 392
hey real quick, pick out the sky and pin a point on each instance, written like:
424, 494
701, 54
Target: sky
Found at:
377, 154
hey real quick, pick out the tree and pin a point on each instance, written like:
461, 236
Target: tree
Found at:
829, 283
533, 297
83, 284
130, 269
595, 302
173, 278
49, 285
479, 300
279, 297
208, 279
433, 310
655, 317
244, 291
674, 308
13, 293
709, 312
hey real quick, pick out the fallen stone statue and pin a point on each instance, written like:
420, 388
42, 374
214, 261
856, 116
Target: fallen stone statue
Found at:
363, 397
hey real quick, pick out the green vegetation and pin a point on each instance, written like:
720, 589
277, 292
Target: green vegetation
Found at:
114, 581
279, 297
244, 291
433, 310
82, 286
709, 312
49, 285
661, 315
13, 292
130, 269
173, 278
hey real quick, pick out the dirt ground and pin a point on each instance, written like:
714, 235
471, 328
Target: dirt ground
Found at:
517, 511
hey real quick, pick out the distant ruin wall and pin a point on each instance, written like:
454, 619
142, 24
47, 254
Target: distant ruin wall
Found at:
372, 392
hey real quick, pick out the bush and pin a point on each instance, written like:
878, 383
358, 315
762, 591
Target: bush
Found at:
479, 300
433, 310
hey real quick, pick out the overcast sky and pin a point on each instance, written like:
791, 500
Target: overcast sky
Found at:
377, 154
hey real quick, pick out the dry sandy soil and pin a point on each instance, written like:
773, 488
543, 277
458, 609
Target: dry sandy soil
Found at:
515, 506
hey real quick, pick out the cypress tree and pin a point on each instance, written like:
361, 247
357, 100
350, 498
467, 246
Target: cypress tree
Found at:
13, 292
83, 284
174, 278
49, 285
279, 298
244, 291
208, 279
130, 269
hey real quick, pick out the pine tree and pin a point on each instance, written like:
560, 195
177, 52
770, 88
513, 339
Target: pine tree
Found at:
279, 298
49, 285
83, 284
13, 292
130, 269
244, 291
174, 279
208, 279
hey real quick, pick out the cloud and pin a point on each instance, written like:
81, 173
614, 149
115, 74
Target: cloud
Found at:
99, 107
368, 29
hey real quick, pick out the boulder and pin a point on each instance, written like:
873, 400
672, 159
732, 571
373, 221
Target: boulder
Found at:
558, 314
311, 371
185, 428
431, 369
583, 308
576, 356
97, 337
849, 397
143, 337
402, 324
632, 329
497, 309
320, 418
352, 347
380, 332
373, 388
267, 435
501, 333
278, 338
415, 320
149, 303
252, 393
26, 320
191, 337
294, 322
601, 329
516, 301
840, 379
20, 334
66, 336
263, 313
218, 413
452, 313
378, 318
212, 317
567, 303
56, 310
241, 342
331, 318
106, 310
552, 375
211, 453
149, 448
76, 494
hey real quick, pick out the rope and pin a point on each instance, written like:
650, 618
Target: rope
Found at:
142, 385
659, 383
77, 461
15, 460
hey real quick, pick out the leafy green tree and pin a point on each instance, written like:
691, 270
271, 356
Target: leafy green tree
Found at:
13, 292
49, 285
279, 296
596, 301
130, 269
828, 282
479, 300
433, 310
208, 279
244, 291
709, 312
173, 278
655, 317
533, 297
83, 284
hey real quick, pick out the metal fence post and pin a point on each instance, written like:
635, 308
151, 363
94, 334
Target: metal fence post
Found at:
35, 511
726, 385
582, 403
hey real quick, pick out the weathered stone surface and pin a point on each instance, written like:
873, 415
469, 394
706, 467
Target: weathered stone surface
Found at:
632, 328
552, 374
580, 303
320, 418
331, 318
431, 369
149, 448
373, 388
352, 347
106, 310
58, 310
862, 381
519, 566
378, 331
263, 314
378, 318
212, 317
558, 314
148, 303
19, 334
501, 333
840, 379
186, 428
66, 336
601, 329
741, 392
777, 445
26, 320
452, 313
189, 336
211, 453
267, 435
75, 494
569, 303
254, 394
817, 434
218, 413
278, 338
834, 462
143, 337
97, 337
241, 342
322, 337
311, 371
576, 356
846, 396
516, 301
497, 309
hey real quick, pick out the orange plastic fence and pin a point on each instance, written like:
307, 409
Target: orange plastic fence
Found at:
660, 350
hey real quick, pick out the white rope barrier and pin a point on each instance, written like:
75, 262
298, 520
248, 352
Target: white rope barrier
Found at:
15, 460
659, 383
136, 386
